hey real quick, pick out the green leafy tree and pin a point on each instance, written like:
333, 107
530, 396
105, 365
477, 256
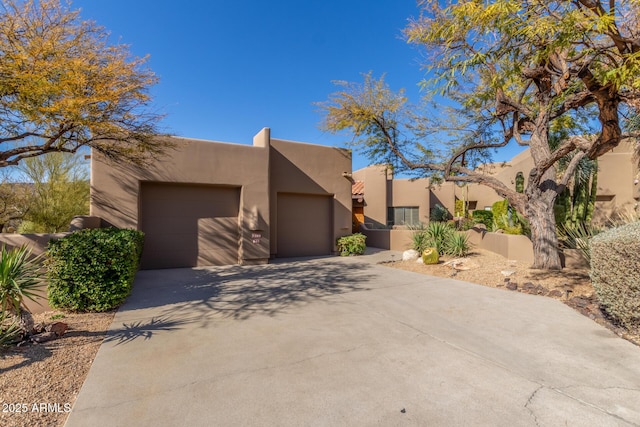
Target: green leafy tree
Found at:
63, 86
510, 71
60, 191
14, 201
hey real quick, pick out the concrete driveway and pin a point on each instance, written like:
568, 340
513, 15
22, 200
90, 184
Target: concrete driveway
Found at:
346, 342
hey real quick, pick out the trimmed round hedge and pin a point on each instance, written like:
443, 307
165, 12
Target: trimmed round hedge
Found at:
93, 269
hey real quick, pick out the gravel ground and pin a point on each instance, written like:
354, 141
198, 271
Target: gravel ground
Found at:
39, 382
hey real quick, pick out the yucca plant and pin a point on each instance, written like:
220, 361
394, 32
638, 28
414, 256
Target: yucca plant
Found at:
420, 240
458, 244
20, 278
578, 236
437, 235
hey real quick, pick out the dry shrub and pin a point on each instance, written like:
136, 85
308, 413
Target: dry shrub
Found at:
615, 273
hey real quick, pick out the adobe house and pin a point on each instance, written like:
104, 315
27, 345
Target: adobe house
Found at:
385, 201
213, 203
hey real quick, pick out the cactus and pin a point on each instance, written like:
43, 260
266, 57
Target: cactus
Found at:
520, 182
575, 208
430, 256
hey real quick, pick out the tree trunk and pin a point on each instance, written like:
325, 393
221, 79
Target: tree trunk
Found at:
543, 234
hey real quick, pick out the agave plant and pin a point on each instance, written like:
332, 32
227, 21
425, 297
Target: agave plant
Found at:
10, 331
20, 279
458, 244
437, 235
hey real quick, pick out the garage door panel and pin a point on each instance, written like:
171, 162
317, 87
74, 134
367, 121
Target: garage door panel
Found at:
172, 226
169, 259
189, 225
304, 225
216, 257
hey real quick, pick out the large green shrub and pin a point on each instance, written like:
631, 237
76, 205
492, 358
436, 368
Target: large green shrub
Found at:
353, 244
93, 270
483, 217
439, 213
615, 273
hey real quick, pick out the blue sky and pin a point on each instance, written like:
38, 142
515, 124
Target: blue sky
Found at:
228, 68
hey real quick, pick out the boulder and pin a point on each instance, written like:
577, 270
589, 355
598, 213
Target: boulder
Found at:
59, 328
410, 255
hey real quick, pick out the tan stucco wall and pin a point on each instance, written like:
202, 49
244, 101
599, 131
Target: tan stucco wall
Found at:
314, 170
382, 192
395, 240
516, 247
410, 193
261, 171
115, 187
616, 186
375, 201
443, 194
617, 190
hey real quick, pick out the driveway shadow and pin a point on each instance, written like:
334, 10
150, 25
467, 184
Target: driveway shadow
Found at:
240, 292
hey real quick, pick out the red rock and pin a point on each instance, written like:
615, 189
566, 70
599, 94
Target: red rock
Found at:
59, 328
556, 293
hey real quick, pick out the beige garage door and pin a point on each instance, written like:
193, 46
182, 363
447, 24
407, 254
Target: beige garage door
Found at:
189, 225
304, 225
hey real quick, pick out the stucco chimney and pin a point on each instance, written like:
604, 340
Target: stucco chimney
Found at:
262, 138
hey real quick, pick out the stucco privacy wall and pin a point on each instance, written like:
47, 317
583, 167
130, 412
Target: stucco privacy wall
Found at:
221, 175
395, 240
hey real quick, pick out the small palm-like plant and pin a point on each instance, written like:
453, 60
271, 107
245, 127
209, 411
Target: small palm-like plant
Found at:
20, 278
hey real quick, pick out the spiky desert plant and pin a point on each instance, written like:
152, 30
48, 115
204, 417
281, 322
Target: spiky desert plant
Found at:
10, 331
457, 244
437, 235
20, 278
